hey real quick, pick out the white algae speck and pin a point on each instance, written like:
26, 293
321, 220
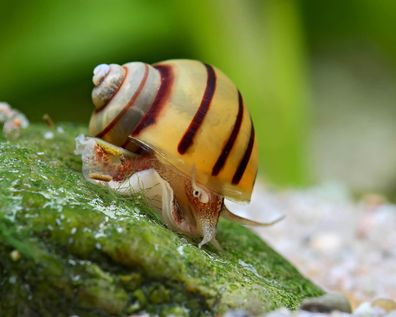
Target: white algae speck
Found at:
180, 250
249, 267
12, 279
48, 135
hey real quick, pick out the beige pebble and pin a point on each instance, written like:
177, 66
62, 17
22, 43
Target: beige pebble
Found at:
326, 242
386, 304
327, 303
373, 199
15, 255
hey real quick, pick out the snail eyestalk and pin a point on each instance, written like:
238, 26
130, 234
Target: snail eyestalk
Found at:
48, 120
233, 217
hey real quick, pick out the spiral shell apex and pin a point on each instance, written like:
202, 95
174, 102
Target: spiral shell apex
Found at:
100, 72
187, 112
107, 80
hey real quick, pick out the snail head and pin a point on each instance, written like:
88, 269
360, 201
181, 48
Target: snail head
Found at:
206, 206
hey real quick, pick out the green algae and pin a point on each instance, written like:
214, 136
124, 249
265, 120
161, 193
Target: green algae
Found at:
86, 251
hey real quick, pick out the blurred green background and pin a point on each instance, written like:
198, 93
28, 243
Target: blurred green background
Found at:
318, 77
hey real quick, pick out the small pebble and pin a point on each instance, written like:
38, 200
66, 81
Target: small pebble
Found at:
327, 303
15, 255
48, 135
12, 129
5, 111
282, 312
326, 242
366, 309
236, 313
386, 304
14, 121
12, 279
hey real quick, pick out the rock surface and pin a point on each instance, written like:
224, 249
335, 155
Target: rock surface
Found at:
68, 247
327, 303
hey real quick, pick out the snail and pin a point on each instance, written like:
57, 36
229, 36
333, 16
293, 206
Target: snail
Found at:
179, 130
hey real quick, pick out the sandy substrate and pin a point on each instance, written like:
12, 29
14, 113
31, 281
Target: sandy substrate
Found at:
341, 244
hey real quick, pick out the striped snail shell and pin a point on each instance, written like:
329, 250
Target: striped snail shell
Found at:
189, 113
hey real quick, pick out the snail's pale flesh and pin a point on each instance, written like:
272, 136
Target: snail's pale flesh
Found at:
185, 206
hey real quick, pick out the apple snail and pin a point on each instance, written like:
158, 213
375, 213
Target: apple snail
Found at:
179, 130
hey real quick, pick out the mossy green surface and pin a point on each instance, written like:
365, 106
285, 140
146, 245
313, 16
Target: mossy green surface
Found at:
69, 247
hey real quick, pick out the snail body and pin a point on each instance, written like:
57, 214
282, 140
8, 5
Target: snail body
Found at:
185, 206
186, 123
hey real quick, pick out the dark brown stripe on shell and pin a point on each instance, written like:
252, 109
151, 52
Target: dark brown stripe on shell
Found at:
188, 137
115, 91
160, 99
245, 159
231, 140
127, 106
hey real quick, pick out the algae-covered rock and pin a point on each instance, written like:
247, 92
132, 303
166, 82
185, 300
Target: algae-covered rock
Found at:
68, 247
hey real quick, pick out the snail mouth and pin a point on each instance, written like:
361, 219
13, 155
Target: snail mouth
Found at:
201, 221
